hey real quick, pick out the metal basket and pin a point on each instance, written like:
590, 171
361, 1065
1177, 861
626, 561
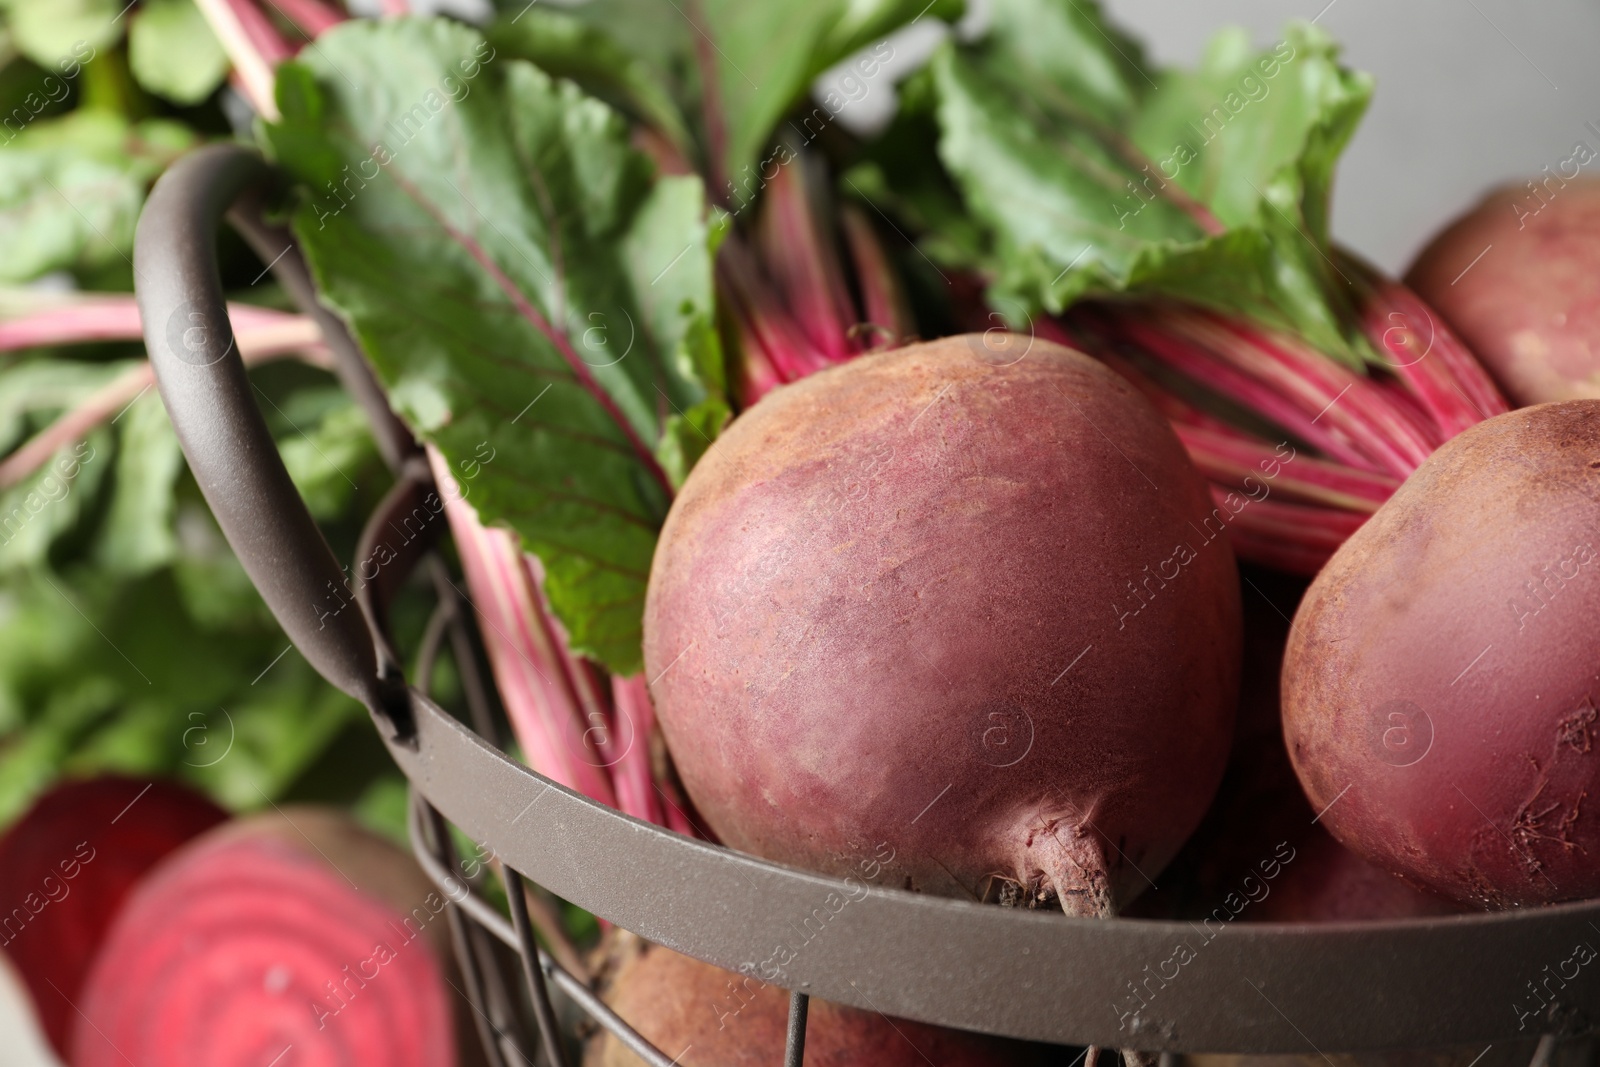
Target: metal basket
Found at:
1250, 989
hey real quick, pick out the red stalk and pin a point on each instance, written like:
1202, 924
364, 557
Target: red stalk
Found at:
1320, 389
762, 316
1200, 364
888, 316
1423, 352
311, 17
295, 336
800, 257
113, 317
1232, 459
529, 671
263, 35
635, 724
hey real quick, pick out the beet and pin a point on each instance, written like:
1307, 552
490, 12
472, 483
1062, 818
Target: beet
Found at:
1514, 277
297, 929
708, 1017
1326, 882
65, 868
1260, 813
1440, 683
962, 613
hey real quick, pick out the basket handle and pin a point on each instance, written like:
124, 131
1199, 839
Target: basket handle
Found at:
219, 425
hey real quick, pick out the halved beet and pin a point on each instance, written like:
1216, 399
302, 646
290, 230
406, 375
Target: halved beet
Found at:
296, 934
65, 868
963, 611
708, 1017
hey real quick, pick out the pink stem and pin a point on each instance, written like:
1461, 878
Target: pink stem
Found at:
1426, 355
312, 17
1320, 388
529, 672
295, 337
395, 7
1391, 416
264, 36
799, 256
635, 719
1200, 364
1241, 462
97, 317
761, 316
889, 320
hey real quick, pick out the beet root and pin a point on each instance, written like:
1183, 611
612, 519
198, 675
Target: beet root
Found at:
1440, 683
1329, 883
293, 931
709, 1017
961, 621
67, 865
1514, 277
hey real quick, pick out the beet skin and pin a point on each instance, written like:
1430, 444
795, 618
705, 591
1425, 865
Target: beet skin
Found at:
958, 606
1441, 680
708, 1017
1515, 279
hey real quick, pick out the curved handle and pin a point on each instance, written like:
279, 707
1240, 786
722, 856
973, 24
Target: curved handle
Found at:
208, 396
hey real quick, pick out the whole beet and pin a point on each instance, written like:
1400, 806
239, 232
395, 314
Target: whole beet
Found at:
708, 1017
1515, 279
1440, 684
964, 607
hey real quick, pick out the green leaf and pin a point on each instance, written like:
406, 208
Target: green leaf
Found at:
173, 52
1096, 173
720, 72
71, 189
50, 503
58, 33
136, 535
535, 300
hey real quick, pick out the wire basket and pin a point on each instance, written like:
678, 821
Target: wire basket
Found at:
1267, 989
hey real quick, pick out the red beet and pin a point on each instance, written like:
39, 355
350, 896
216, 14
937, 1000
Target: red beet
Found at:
1259, 814
294, 931
709, 1017
1326, 882
1440, 684
65, 868
963, 613
1515, 279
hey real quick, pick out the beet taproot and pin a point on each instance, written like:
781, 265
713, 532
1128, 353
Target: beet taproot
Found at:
964, 612
1515, 278
295, 930
708, 1017
67, 865
1440, 683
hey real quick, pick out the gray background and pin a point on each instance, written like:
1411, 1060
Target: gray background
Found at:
1470, 93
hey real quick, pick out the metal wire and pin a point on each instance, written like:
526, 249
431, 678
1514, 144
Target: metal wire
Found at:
487, 916
794, 1049
528, 949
